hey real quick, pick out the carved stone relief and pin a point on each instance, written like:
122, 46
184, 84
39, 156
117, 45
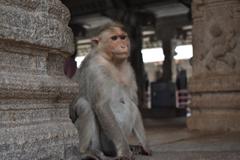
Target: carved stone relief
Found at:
216, 32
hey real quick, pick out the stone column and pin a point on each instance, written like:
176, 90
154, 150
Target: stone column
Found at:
34, 93
168, 60
215, 85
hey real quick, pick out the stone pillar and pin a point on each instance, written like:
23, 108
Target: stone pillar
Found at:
167, 63
166, 32
215, 85
34, 93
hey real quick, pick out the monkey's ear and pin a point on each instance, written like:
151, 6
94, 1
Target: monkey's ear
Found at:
95, 40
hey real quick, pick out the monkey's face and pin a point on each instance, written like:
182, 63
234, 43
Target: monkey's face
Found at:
116, 44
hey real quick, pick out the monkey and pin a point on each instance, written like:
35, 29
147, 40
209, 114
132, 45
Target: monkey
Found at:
105, 111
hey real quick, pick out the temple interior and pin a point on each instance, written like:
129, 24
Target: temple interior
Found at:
185, 58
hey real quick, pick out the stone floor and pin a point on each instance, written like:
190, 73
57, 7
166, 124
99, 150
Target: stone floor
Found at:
169, 139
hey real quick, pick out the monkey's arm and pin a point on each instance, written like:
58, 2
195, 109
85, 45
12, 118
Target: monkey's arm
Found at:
133, 87
111, 129
139, 131
108, 123
84, 121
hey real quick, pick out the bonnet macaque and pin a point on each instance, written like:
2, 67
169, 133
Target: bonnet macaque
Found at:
105, 112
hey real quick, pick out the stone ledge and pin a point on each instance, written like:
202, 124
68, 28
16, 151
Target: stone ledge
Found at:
219, 100
214, 120
215, 83
33, 116
36, 86
32, 132
32, 104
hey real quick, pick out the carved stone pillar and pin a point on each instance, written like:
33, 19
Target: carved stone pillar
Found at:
34, 93
215, 85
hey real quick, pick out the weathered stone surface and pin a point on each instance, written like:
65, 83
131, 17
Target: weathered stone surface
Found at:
214, 119
34, 93
38, 22
215, 85
215, 82
218, 101
216, 36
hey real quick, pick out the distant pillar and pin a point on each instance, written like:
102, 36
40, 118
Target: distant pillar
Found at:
166, 32
34, 93
215, 85
167, 63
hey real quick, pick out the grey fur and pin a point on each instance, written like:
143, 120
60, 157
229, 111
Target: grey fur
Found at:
105, 111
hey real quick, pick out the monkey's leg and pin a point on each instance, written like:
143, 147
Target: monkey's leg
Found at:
86, 126
94, 155
139, 131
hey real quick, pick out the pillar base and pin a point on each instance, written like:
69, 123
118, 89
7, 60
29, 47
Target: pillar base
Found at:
215, 103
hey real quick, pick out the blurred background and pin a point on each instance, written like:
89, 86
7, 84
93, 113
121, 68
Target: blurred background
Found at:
161, 51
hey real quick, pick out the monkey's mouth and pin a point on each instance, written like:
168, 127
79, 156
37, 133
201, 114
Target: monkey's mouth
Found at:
121, 53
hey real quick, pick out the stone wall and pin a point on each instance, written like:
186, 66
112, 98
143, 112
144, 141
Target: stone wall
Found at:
215, 85
34, 93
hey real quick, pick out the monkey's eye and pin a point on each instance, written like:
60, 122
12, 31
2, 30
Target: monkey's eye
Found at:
114, 38
122, 37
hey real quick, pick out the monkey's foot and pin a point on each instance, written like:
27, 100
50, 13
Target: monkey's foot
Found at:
89, 157
124, 158
140, 150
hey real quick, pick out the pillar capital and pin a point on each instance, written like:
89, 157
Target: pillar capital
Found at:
43, 23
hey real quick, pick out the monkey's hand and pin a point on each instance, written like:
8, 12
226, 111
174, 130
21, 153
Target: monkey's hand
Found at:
125, 154
146, 151
140, 150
